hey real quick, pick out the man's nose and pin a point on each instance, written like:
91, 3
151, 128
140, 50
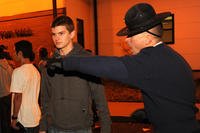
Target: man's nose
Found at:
56, 37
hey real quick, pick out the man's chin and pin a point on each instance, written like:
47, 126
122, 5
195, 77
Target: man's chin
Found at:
59, 46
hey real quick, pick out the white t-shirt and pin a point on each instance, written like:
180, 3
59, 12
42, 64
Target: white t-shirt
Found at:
26, 80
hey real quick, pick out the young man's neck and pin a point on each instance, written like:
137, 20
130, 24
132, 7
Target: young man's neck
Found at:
25, 61
64, 51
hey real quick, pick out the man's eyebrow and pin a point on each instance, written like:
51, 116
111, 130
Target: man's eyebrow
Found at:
59, 32
53, 33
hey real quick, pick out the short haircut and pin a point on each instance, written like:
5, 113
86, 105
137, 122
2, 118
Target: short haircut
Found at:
63, 21
5, 55
158, 30
3, 47
26, 48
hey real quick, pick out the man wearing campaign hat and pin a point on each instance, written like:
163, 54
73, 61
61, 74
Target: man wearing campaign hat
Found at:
164, 77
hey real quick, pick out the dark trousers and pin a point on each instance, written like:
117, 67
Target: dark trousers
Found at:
5, 114
26, 129
55, 130
32, 130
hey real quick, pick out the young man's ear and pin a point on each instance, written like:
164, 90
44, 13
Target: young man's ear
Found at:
72, 34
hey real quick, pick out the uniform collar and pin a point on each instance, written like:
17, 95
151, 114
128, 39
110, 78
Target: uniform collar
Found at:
157, 44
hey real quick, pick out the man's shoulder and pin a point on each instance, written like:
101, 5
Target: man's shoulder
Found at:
23, 69
17, 70
80, 51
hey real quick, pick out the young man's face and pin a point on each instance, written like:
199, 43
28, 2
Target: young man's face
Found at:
17, 56
61, 37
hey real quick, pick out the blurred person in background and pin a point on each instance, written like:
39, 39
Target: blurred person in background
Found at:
43, 56
5, 95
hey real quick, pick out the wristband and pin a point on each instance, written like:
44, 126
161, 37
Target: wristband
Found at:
14, 117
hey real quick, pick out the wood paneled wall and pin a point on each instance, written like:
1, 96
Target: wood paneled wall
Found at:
34, 27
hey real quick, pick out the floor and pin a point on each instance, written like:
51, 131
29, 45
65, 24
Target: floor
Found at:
124, 127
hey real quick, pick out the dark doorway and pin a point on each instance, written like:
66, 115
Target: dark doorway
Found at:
80, 31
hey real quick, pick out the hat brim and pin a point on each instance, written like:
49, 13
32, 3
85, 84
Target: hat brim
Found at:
145, 26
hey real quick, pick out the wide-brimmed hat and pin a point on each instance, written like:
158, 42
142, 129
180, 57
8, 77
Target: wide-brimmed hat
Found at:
141, 17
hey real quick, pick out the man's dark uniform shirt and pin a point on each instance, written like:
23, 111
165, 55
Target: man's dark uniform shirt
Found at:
164, 78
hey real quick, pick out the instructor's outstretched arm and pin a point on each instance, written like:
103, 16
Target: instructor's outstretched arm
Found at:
100, 66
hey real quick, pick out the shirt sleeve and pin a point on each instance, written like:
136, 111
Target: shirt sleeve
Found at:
105, 67
17, 81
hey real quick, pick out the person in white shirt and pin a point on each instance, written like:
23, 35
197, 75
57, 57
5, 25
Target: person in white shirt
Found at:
25, 85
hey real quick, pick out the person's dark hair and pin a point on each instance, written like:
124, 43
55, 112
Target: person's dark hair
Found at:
43, 53
3, 47
26, 48
4, 53
63, 21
